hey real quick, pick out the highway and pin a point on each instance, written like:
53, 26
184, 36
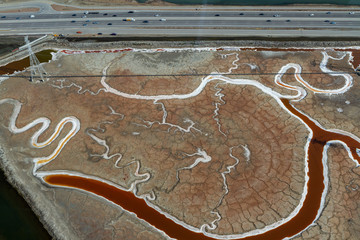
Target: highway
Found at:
188, 22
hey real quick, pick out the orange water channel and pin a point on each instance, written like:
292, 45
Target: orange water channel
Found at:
306, 215
128, 201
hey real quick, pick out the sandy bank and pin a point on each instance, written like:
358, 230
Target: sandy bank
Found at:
26, 186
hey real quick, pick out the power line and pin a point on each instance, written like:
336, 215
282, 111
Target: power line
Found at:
174, 75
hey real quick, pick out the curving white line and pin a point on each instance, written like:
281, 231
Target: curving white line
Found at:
204, 158
301, 92
45, 122
197, 91
76, 126
217, 107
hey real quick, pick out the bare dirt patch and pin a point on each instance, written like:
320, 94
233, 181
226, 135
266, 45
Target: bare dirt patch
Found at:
21, 10
230, 150
57, 7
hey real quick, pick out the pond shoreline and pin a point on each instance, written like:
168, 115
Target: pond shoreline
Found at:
21, 185
9, 173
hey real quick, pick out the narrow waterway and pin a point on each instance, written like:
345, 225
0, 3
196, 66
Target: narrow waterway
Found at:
307, 214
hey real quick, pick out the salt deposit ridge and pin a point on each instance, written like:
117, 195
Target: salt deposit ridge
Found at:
315, 187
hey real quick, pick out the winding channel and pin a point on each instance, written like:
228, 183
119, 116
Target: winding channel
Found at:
316, 179
304, 218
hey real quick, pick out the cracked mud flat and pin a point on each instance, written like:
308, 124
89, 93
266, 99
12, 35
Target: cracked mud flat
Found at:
221, 155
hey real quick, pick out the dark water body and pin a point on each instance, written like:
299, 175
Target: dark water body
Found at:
260, 2
43, 56
17, 220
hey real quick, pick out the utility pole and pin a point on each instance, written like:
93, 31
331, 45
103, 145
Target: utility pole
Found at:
36, 70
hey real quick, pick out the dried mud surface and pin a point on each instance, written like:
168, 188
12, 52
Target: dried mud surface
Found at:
239, 126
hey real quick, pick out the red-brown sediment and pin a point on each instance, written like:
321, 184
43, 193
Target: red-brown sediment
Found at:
126, 200
356, 57
301, 221
22, 64
15, 66
229, 220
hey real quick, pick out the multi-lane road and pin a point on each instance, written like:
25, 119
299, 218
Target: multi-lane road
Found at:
186, 22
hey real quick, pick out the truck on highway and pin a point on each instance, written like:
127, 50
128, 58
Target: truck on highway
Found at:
129, 19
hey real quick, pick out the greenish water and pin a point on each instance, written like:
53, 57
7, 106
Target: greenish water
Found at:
17, 220
262, 2
43, 56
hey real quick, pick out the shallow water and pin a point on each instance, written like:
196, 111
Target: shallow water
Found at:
43, 56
